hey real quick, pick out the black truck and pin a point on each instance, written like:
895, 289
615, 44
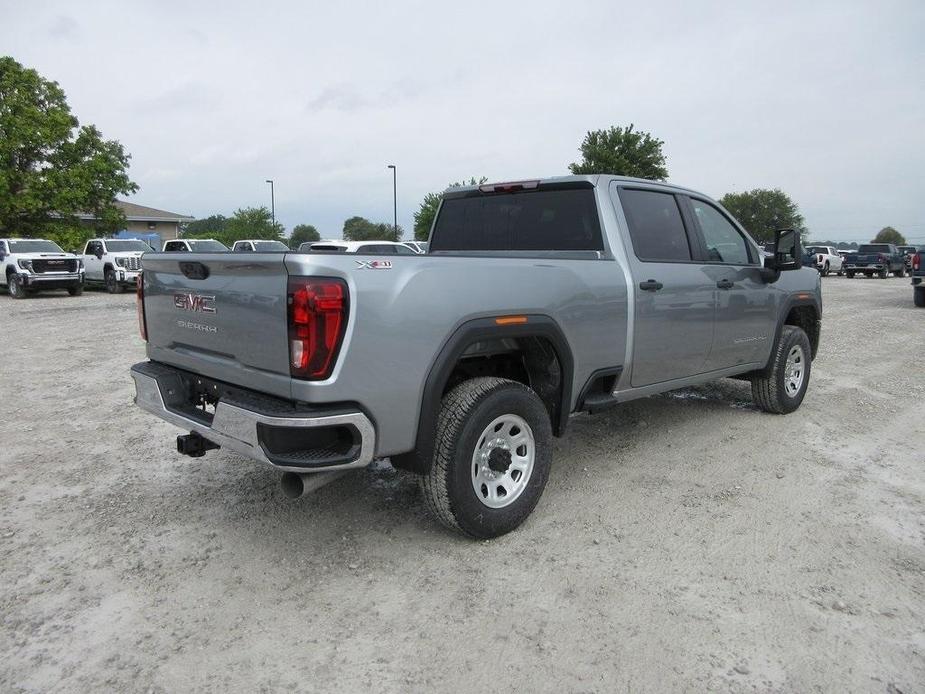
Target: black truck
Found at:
918, 277
875, 259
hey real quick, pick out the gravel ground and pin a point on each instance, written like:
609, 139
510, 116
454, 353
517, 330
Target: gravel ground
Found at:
685, 542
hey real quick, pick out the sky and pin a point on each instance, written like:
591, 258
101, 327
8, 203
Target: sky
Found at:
825, 100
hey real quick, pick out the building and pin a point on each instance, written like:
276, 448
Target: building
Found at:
145, 221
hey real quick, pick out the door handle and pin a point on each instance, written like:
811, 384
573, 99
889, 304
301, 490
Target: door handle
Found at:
650, 285
724, 284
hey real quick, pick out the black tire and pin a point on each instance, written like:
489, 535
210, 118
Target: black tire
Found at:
825, 270
918, 296
112, 283
15, 287
769, 387
901, 272
849, 275
882, 274
840, 273
76, 290
465, 413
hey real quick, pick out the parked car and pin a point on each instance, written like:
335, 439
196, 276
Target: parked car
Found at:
535, 303
367, 247
419, 247
826, 259
114, 263
918, 276
194, 246
875, 259
907, 252
259, 246
31, 265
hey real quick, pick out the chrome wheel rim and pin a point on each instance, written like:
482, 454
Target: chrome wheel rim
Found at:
795, 371
503, 461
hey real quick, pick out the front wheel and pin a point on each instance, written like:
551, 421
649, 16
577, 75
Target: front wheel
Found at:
918, 295
781, 387
76, 290
825, 270
492, 457
882, 274
850, 275
112, 283
901, 272
16, 287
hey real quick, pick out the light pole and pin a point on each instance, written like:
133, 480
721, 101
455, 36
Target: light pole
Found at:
394, 199
272, 201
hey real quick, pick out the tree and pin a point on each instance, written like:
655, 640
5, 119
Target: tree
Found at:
51, 168
209, 227
251, 223
889, 235
622, 152
361, 229
424, 217
303, 233
762, 211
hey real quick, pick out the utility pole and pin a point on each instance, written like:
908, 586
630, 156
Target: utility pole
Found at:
272, 201
394, 200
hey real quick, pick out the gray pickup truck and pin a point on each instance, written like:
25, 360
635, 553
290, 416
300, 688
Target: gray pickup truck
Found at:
537, 300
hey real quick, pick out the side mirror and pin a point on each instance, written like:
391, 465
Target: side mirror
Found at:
786, 251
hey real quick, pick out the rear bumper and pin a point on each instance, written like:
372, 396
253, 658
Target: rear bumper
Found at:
274, 431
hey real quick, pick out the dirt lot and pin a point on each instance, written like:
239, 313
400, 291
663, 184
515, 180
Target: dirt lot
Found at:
684, 542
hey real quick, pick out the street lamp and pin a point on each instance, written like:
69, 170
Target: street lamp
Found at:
272, 201
394, 199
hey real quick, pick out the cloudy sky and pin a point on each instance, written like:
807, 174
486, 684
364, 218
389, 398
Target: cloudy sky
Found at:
824, 100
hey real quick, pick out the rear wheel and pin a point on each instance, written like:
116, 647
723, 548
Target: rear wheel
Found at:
15, 287
901, 272
112, 283
781, 387
882, 274
849, 275
918, 295
491, 458
825, 270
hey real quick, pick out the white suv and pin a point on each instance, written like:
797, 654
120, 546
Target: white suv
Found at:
114, 262
30, 265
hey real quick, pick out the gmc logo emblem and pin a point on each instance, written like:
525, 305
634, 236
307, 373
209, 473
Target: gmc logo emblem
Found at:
197, 303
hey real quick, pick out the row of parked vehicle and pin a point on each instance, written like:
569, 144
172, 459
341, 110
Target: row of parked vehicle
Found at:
31, 265
880, 259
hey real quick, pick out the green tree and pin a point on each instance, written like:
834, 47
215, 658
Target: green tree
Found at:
51, 167
761, 211
424, 217
303, 233
890, 235
209, 227
251, 223
361, 229
622, 152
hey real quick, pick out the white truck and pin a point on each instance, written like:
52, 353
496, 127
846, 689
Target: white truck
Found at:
31, 265
194, 246
113, 262
826, 259
259, 246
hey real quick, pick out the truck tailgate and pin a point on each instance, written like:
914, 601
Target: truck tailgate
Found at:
220, 314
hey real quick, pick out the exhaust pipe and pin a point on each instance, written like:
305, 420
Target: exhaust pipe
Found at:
296, 485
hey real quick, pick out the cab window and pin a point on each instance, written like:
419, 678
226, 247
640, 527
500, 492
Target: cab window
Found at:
723, 241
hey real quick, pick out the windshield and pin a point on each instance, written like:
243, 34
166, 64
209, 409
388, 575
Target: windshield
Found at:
269, 246
130, 245
206, 246
34, 247
874, 248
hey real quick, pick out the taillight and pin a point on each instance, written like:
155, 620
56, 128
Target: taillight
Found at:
916, 261
317, 320
140, 304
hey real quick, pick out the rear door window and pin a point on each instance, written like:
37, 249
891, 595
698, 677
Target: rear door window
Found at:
377, 249
655, 225
537, 220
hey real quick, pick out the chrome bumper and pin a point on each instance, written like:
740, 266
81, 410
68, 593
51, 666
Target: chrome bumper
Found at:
235, 428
